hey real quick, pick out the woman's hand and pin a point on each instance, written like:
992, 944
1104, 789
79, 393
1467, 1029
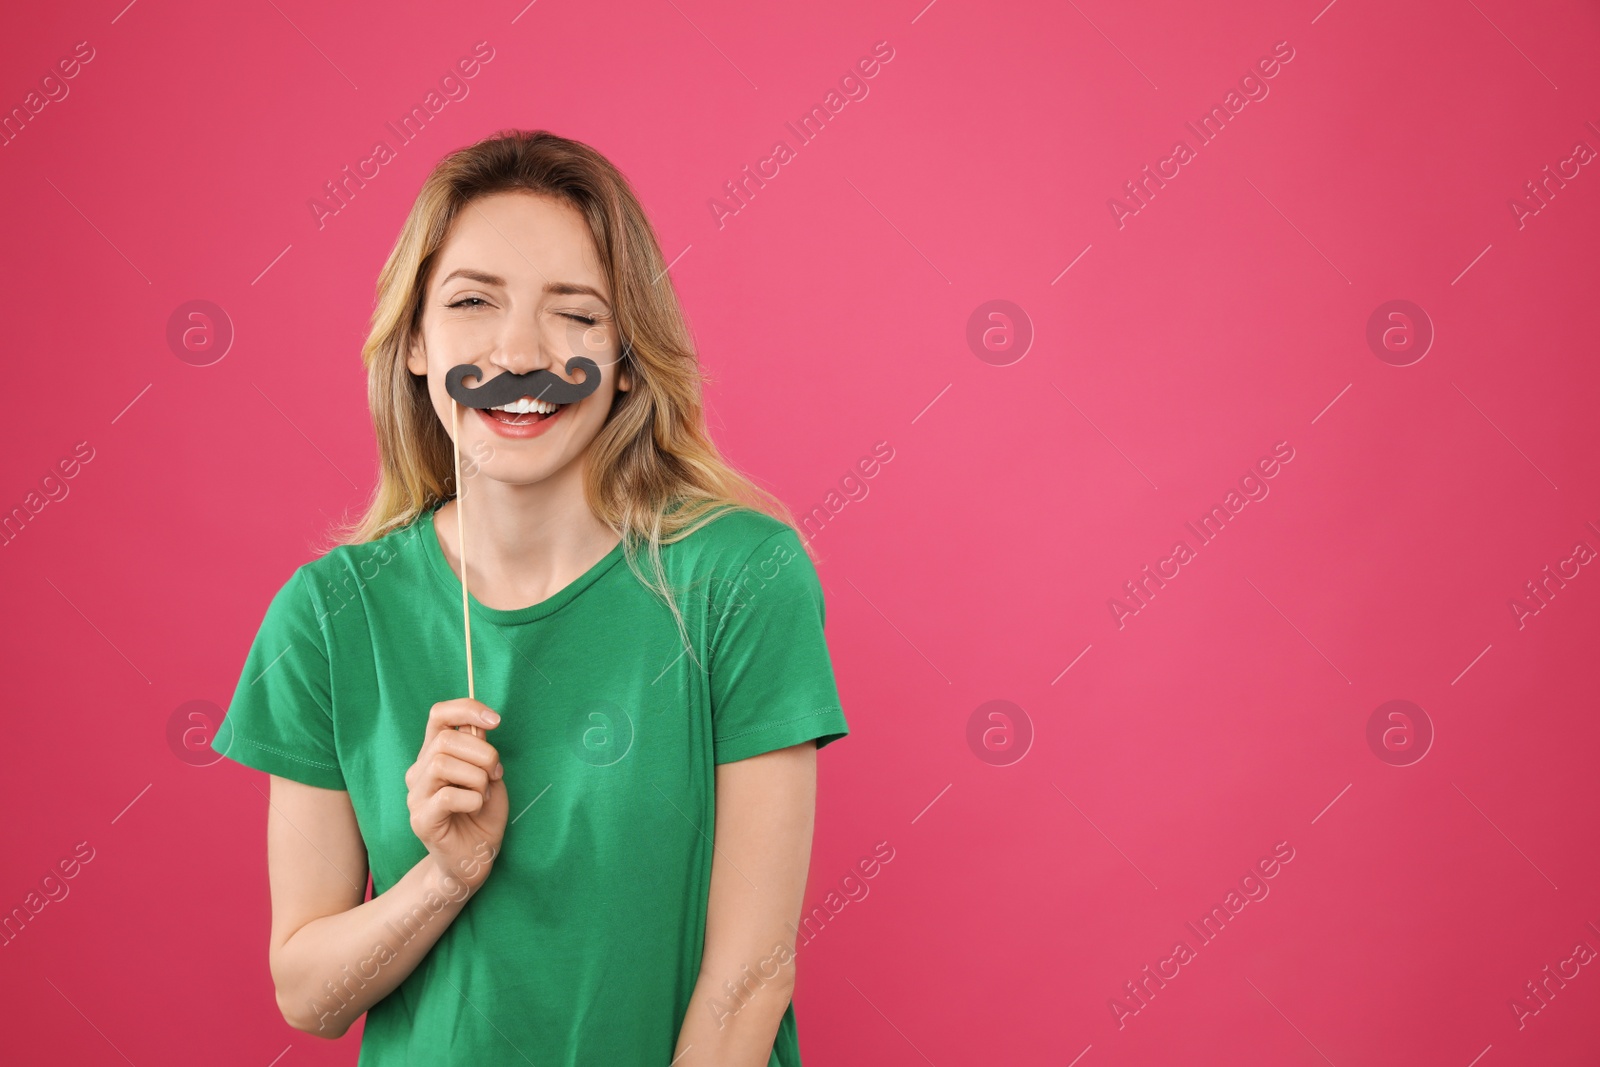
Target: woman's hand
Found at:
457, 791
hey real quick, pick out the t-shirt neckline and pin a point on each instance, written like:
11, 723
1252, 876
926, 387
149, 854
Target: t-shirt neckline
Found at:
500, 616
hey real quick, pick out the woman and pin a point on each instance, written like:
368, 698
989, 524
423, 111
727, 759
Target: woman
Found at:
601, 860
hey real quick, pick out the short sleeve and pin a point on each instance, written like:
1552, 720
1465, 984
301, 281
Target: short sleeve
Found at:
281, 717
772, 682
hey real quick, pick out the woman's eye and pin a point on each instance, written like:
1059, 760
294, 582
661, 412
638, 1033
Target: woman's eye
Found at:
477, 301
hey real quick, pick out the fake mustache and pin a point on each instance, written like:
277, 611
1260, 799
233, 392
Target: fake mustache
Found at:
505, 387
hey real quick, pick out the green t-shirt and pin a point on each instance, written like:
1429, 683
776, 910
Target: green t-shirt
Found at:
584, 944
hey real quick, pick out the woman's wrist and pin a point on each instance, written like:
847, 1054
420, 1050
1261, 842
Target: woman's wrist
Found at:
731, 1026
335, 975
455, 886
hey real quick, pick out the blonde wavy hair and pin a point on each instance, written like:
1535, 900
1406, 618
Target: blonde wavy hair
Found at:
654, 475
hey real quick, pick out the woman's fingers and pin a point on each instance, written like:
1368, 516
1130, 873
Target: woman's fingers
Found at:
452, 784
447, 731
443, 769
454, 743
463, 711
453, 801
467, 747
431, 816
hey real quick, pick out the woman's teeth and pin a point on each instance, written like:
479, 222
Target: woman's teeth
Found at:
514, 413
527, 404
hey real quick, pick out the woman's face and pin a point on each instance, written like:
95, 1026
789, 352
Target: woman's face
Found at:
517, 287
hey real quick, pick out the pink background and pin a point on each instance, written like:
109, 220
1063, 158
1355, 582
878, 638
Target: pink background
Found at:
1229, 314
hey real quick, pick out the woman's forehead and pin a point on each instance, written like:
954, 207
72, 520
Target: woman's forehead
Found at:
523, 241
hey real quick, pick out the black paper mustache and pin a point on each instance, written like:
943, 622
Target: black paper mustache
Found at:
505, 387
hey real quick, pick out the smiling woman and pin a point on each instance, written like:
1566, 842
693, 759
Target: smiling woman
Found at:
632, 709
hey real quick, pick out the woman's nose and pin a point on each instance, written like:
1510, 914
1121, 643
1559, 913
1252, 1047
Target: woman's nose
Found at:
522, 348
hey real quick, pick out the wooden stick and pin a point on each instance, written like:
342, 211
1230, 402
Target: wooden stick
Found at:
461, 551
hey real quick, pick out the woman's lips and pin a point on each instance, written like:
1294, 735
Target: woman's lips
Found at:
528, 425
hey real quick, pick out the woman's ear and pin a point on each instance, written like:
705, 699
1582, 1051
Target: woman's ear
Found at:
416, 357
624, 372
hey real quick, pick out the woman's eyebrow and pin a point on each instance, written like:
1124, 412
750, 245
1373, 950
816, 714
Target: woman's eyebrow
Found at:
553, 288
482, 277
575, 289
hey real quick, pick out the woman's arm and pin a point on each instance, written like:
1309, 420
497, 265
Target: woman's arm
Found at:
766, 807
332, 957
